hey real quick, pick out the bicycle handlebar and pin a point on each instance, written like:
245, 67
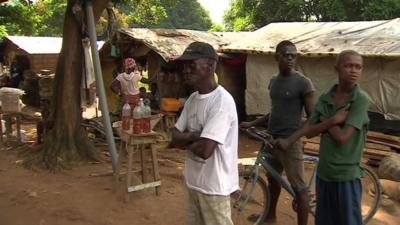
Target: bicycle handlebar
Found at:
259, 135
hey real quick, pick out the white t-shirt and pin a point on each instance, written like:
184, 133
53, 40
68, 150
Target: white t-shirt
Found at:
129, 82
214, 114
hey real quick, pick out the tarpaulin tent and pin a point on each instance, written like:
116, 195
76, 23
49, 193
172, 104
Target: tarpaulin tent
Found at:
318, 43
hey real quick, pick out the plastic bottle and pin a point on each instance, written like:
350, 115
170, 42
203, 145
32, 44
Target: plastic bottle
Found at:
126, 116
146, 118
138, 118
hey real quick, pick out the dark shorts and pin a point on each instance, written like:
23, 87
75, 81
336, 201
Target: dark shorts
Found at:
338, 202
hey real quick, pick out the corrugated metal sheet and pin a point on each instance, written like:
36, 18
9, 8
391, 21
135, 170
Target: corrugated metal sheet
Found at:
321, 38
170, 43
40, 45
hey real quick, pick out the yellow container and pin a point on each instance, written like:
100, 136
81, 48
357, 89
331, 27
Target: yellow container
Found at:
170, 104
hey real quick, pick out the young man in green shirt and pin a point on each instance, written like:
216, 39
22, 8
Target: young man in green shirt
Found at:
340, 116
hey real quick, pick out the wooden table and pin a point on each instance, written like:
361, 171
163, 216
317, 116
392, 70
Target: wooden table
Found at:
141, 143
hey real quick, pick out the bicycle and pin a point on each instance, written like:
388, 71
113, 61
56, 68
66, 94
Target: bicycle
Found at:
253, 196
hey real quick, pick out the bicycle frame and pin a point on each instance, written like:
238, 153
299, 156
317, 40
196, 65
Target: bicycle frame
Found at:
261, 159
266, 151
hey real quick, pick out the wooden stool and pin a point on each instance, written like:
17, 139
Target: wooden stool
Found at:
141, 143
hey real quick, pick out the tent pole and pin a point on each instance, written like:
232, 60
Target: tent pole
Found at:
100, 84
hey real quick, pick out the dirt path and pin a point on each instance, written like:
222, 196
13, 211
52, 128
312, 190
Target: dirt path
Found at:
75, 198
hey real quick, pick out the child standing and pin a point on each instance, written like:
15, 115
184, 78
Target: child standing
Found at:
340, 116
126, 83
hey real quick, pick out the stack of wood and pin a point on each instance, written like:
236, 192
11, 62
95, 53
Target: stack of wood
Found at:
377, 147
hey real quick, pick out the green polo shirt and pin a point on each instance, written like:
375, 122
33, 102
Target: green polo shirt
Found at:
342, 162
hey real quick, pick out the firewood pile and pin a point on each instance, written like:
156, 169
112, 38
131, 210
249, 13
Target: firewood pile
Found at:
377, 147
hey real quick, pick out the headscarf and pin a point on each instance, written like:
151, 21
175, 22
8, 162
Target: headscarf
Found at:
130, 63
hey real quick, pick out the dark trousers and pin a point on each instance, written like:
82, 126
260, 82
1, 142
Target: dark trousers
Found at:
338, 203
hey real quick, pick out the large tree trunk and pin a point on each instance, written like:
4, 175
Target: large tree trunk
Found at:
66, 141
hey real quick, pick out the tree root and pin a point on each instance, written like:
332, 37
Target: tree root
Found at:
60, 151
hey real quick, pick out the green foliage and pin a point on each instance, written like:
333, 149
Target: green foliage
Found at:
38, 18
344, 10
3, 32
237, 11
216, 28
46, 17
381, 10
19, 18
53, 12
251, 14
184, 14
243, 23
145, 12
118, 21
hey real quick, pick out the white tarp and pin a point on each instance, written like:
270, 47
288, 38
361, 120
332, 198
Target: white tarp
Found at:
378, 38
381, 81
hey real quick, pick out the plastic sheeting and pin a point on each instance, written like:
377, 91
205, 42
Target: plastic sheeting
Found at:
369, 38
381, 81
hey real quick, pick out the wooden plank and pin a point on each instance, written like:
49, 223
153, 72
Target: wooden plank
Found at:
378, 153
109, 173
143, 186
378, 135
311, 152
372, 156
377, 146
247, 161
312, 140
384, 143
312, 148
368, 156
380, 146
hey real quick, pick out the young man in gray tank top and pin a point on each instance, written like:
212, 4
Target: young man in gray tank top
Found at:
291, 93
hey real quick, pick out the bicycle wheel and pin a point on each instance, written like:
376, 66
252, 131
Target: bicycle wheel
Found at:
371, 194
250, 204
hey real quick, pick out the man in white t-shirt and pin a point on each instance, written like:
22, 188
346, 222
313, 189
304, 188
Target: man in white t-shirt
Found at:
126, 83
208, 129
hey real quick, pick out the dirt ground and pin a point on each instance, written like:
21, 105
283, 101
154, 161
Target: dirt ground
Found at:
76, 197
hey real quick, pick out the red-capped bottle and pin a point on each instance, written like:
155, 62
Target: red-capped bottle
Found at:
126, 116
138, 118
146, 118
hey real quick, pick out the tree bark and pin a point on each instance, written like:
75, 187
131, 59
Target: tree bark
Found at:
66, 141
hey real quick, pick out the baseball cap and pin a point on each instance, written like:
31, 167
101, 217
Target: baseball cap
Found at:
199, 50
